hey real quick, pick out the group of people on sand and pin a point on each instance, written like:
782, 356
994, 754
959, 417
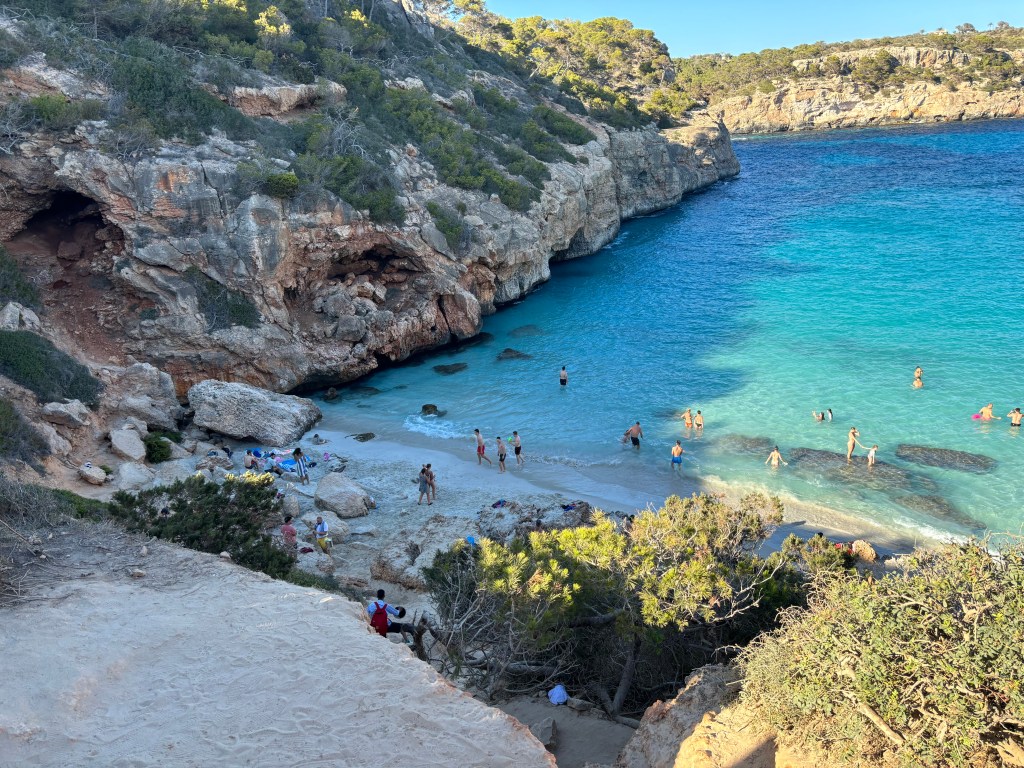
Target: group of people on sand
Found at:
259, 461
514, 441
427, 482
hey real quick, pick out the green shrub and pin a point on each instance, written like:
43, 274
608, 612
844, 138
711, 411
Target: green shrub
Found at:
283, 185
157, 449
359, 182
221, 306
13, 285
173, 435
79, 506
231, 517
449, 224
11, 49
34, 363
561, 126
924, 664
58, 113
19, 441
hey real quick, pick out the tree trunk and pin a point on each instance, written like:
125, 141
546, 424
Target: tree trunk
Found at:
626, 679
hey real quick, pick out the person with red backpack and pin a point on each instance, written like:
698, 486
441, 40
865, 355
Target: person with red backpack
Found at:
379, 615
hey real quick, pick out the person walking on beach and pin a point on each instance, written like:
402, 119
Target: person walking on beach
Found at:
985, 414
517, 447
432, 481
634, 434
688, 418
698, 421
775, 457
1015, 416
918, 380
677, 456
301, 468
563, 377
481, 449
871, 455
851, 441
424, 486
501, 455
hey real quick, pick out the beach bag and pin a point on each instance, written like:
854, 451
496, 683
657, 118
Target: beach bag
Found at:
558, 695
379, 619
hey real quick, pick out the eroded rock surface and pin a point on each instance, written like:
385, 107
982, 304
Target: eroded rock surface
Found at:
244, 412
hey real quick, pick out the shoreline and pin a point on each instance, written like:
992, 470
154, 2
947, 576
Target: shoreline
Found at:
386, 464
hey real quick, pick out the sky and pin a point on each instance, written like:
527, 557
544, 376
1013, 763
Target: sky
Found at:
738, 26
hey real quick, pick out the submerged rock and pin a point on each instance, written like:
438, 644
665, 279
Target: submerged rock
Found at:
246, 412
513, 354
760, 446
331, 394
526, 330
448, 370
939, 507
946, 458
364, 390
363, 437
429, 409
881, 477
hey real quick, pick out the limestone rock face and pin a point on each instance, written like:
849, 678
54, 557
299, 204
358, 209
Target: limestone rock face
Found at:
144, 392
56, 442
342, 496
273, 100
70, 414
127, 443
246, 412
836, 102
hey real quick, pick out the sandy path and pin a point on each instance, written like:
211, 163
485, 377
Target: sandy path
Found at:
203, 663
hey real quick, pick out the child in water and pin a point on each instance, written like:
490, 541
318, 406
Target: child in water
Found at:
871, 455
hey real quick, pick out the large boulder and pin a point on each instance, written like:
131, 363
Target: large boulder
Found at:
73, 413
127, 443
145, 392
337, 494
92, 474
14, 317
54, 440
246, 412
132, 476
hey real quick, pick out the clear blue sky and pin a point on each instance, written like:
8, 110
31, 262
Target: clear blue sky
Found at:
737, 26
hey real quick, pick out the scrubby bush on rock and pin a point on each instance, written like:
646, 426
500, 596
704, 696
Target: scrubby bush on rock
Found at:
203, 515
923, 667
620, 614
34, 363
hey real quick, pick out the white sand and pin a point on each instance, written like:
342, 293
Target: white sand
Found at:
204, 663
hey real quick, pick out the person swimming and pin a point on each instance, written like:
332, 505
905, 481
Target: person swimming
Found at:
818, 417
918, 380
985, 414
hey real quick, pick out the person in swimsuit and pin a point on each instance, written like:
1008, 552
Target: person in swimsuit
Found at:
829, 412
818, 417
688, 418
698, 421
851, 441
517, 447
563, 377
501, 454
871, 455
775, 457
481, 449
1015, 416
424, 487
301, 467
677, 455
918, 380
432, 482
985, 414
634, 434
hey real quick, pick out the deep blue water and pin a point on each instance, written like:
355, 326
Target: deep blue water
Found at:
819, 278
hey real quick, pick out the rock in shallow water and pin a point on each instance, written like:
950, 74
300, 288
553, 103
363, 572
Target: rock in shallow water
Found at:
513, 354
946, 458
940, 508
448, 370
526, 330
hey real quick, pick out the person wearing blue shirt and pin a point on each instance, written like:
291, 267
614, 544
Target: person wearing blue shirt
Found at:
379, 615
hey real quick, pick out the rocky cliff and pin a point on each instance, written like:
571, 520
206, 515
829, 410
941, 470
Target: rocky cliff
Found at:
842, 101
159, 257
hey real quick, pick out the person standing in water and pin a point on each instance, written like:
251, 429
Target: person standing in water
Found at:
985, 414
634, 434
851, 441
918, 380
818, 417
481, 449
871, 455
677, 455
687, 418
563, 377
698, 421
517, 447
775, 457
829, 412
502, 452
1015, 416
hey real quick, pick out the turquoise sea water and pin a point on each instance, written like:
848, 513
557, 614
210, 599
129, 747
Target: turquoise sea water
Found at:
819, 278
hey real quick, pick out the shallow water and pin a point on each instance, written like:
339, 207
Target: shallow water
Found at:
818, 278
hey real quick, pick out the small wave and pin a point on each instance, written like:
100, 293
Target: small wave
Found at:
570, 461
434, 427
